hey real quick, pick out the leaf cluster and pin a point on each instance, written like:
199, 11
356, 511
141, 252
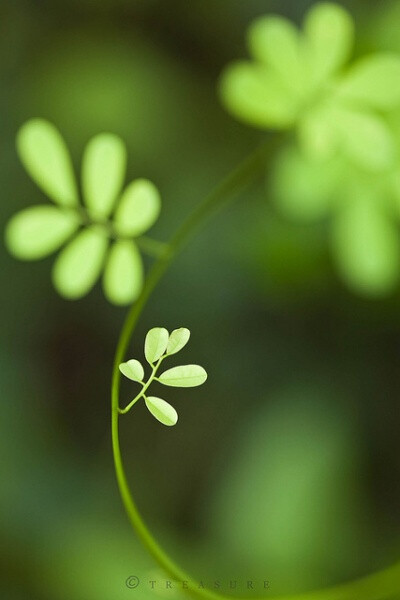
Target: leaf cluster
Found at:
159, 345
344, 161
99, 234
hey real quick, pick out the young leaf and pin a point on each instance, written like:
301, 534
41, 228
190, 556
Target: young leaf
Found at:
123, 273
138, 209
302, 190
184, 376
79, 264
162, 411
45, 156
366, 245
155, 344
255, 94
277, 42
177, 340
373, 82
39, 230
103, 172
366, 137
132, 369
329, 31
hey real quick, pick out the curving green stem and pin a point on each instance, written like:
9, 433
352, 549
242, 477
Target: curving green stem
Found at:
151, 247
384, 585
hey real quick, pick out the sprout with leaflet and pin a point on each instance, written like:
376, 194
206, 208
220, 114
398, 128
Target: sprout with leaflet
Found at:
159, 344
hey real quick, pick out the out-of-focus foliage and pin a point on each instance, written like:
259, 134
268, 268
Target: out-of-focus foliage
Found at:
364, 209
38, 231
296, 463
348, 156
296, 80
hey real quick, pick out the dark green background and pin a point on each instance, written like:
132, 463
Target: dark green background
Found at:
285, 465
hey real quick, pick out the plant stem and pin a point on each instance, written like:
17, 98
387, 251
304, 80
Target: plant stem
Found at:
141, 394
383, 585
151, 247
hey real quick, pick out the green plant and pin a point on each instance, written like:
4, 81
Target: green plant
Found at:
159, 345
363, 210
345, 160
295, 83
297, 80
38, 231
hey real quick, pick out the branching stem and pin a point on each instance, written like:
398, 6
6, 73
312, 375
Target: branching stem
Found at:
142, 393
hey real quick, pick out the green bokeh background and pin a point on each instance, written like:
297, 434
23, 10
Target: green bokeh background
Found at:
285, 465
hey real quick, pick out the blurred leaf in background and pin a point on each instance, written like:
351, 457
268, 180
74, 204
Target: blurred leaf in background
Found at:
290, 500
363, 210
347, 154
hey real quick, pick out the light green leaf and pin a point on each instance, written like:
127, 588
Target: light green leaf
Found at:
80, 263
366, 139
278, 43
303, 189
254, 94
373, 82
394, 183
329, 31
366, 246
317, 134
162, 411
184, 376
123, 273
132, 369
139, 208
39, 230
178, 340
155, 344
45, 156
103, 172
